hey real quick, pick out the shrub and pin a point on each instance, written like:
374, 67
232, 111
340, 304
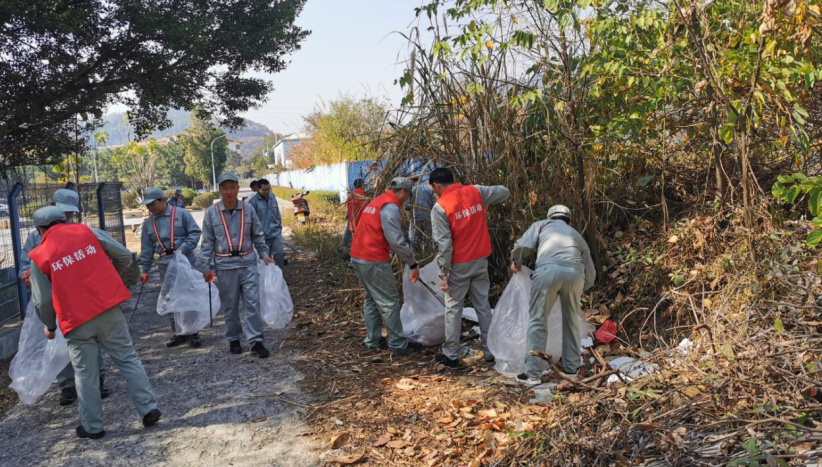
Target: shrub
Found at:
205, 200
28, 209
129, 200
188, 196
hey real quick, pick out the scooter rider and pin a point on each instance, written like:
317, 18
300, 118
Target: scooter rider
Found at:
158, 238
564, 269
231, 234
460, 229
76, 282
67, 201
265, 204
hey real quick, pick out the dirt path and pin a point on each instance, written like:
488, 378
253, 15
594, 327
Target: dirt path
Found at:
218, 409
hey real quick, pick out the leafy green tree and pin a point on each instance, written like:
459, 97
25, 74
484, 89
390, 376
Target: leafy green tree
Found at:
63, 63
137, 165
345, 130
171, 164
197, 141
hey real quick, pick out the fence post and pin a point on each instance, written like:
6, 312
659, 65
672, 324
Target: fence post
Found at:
17, 248
101, 206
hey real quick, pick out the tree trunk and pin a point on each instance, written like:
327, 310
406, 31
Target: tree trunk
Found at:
741, 139
717, 147
591, 231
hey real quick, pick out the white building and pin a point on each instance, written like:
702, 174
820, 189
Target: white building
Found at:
233, 144
285, 146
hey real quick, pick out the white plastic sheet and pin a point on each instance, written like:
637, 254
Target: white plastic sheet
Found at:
275, 299
509, 327
422, 313
38, 360
185, 294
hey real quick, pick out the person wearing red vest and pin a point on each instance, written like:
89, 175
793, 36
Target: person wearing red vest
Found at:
353, 208
460, 229
76, 284
378, 232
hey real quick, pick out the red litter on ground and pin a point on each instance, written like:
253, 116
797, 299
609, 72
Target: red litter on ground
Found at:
607, 332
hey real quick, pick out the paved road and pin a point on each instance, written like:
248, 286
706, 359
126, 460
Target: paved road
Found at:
218, 409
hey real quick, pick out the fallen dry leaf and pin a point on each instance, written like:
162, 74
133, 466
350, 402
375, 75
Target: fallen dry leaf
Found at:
382, 440
397, 444
405, 384
350, 459
490, 413
340, 440
673, 239
445, 420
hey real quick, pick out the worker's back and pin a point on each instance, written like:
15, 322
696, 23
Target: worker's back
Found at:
559, 243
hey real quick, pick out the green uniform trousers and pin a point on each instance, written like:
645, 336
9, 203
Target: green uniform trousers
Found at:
548, 283
109, 331
471, 280
382, 304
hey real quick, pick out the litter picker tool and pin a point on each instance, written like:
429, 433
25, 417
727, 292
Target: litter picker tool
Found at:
139, 296
210, 307
432, 292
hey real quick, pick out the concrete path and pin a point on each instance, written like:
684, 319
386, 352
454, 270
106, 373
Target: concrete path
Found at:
218, 409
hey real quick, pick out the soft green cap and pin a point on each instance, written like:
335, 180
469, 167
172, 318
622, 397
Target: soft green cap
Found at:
152, 194
48, 215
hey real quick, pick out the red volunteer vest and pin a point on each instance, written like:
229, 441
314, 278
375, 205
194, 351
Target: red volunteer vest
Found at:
354, 204
469, 227
369, 240
84, 283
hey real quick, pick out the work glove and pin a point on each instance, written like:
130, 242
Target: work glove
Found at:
27, 278
144, 278
208, 276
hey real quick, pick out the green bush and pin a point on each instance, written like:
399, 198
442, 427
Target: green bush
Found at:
205, 200
28, 209
129, 200
188, 196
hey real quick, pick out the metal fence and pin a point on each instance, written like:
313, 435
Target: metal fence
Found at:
100, 207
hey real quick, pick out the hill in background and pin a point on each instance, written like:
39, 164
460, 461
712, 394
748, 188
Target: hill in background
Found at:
120, 132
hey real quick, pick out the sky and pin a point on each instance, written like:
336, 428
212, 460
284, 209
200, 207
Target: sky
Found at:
353, 49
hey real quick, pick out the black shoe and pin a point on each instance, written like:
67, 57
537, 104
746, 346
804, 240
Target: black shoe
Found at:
151, 418
82, 433
381, 346
489, 358
260, 350
235, 347
104, 391
68, 396
195, 342
448, 362
412, 347
523, 379
177, 341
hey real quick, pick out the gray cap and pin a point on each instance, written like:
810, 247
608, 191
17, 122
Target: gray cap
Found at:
152, 194
401, 183
559, 211
48, 215
67, 200
178, 191
227, 176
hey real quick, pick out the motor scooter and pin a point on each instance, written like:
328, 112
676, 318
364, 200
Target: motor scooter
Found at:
301, 211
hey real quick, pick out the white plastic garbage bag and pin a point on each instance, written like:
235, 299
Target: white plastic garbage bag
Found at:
38, 360
423, 310
275, 299
185, 293
507, 337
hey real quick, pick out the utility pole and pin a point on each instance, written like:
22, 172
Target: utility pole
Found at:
213, 170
